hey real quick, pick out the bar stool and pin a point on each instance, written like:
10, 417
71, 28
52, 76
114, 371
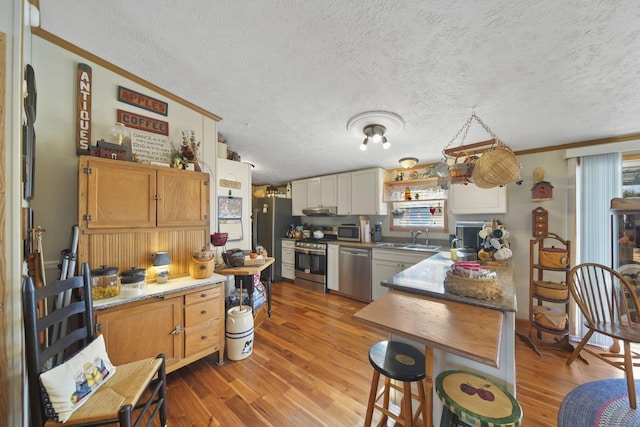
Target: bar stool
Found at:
401, 362
470, 399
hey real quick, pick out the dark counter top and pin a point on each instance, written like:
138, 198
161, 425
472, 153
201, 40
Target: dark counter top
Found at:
427, 278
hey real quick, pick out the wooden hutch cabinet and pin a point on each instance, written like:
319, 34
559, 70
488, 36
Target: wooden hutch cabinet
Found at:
119, 194
185, 325
127, 212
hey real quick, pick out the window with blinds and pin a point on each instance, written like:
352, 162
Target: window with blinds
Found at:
415, 215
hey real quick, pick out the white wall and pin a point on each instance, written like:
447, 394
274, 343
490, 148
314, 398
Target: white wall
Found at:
519, 214
55, 202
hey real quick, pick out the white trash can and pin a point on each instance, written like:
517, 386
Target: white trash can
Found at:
239, 332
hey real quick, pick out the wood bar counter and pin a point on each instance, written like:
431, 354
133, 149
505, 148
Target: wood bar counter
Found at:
457, 332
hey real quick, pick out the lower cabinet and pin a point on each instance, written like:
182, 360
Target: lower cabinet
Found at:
288, 259
185, 326
389, 262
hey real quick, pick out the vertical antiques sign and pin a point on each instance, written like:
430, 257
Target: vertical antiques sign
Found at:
83, 138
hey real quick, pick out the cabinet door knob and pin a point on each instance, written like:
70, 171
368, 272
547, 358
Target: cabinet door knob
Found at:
203, 312
204, 337
203, 295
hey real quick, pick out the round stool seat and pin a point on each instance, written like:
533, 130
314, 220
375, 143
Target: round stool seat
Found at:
398, 361
476, 400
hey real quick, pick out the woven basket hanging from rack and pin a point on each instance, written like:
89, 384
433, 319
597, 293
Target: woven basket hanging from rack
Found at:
493, 167
497, 166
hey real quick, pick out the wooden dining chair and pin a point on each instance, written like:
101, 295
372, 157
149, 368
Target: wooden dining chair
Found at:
81, 385
610, 306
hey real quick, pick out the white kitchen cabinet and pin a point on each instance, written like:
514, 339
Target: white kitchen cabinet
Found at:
329, 190
389, 262
344, 193
298, 196
333, 266
366, 192
288, 259
313, 192
469, 199
354, 193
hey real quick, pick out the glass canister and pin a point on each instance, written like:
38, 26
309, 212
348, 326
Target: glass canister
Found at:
104, 282
133, 283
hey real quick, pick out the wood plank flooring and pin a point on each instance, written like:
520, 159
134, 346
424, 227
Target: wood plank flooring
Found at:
310, 367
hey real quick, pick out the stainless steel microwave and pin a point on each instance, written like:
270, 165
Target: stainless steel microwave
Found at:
349, 233
467, 233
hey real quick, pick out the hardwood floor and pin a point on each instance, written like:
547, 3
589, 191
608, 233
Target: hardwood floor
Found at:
309, 367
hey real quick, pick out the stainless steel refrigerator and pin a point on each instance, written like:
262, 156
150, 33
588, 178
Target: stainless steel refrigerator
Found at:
271, 220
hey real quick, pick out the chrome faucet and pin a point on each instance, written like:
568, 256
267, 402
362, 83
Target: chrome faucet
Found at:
414, 236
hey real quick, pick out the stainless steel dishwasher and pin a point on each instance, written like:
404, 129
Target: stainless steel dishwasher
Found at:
355, 273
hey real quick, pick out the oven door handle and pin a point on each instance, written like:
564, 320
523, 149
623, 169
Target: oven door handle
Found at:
310, 251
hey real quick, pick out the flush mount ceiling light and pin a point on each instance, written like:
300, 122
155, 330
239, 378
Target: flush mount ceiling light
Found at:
408, 162
376, 126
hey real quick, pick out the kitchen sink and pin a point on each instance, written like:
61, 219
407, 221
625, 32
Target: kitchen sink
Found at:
428, 248
410, 246
392, 245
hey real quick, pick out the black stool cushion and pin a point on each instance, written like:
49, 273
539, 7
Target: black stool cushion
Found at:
397, 360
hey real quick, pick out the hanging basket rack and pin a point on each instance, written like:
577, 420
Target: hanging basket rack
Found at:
498, 167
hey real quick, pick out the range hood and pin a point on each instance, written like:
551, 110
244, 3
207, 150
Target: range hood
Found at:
321, 211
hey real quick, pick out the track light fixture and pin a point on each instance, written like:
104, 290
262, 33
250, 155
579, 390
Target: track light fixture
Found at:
375, 134
376, 126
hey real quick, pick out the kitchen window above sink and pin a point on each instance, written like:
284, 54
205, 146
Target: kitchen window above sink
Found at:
416, 204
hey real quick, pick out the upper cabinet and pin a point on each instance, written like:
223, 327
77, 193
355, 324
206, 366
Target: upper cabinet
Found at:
119, 194
329, 190
344, 193
469, 199
366, 192
183, 198
298, 196
353, 193
313, 193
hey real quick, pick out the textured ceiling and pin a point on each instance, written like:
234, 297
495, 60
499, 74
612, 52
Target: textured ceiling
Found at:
286, 75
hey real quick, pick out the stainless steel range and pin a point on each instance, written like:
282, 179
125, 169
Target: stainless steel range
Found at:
311, 263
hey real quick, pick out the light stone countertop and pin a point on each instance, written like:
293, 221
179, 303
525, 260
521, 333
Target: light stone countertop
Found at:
155, 290
427, 278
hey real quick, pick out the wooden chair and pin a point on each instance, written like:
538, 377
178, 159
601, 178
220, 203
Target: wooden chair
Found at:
610, 306
136, 390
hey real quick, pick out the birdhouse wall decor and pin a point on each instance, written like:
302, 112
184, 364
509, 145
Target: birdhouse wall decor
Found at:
541, 190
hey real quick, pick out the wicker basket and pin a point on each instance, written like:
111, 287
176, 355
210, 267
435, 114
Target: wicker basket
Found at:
199, 269
550, 318
497, 166
203, 255
553, 257
460, 173
551, 290
485, 289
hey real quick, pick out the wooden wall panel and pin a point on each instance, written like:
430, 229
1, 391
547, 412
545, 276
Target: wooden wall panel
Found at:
136, 248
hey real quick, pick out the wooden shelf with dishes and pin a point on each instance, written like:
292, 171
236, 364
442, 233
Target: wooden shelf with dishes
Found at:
419, 189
